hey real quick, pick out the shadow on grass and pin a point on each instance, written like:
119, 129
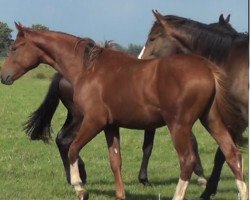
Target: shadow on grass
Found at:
129, 196
135, 183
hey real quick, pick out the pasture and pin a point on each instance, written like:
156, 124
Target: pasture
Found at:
31, 170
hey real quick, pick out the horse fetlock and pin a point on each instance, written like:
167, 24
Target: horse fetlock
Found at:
242, 197
145, 182
76, 181
120, 194
120, 198
180, 190
243, 191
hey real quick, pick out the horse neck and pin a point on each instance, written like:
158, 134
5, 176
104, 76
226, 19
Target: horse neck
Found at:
59, 53
205, 43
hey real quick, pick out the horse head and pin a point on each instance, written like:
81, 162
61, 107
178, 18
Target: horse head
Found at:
23, 56
161, 42
172, 35
223, 25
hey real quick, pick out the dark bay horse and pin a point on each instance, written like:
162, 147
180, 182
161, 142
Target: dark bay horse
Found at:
39, 124
173, 91
225, 47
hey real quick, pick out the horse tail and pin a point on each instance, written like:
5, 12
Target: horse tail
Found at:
38, 126
230, 113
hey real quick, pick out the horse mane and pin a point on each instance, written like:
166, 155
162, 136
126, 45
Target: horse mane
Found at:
93, 51
213, 43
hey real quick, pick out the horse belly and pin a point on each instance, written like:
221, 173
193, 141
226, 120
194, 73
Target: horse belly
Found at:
139, 117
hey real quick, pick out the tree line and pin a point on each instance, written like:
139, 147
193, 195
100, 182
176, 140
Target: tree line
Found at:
6, 40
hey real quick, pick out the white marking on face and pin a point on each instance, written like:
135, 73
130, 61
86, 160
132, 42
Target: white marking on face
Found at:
141, 53
180, 190
115, 150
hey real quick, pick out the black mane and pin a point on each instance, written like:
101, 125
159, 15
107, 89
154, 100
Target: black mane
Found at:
213, 42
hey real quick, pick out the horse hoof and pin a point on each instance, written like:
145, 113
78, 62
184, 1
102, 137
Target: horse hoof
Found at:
243, 197
83, 195
206, 197
120, 198
202, 181
145, 182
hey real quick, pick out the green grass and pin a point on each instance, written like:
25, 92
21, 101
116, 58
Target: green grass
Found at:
31, 170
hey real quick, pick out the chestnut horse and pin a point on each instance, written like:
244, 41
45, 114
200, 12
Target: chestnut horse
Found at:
39, 124
173, 91
225, 47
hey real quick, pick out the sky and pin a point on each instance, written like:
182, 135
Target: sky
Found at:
123, 21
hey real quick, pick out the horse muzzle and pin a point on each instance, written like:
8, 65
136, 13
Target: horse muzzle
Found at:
7, 79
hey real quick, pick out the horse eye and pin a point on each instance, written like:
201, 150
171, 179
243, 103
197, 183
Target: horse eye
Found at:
151, 39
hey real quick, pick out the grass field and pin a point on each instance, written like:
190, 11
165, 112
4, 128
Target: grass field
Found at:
31, 170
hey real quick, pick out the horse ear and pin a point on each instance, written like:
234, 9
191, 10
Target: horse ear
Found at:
227, 19
22, 30
19, 26
163, 22
221, 19
159, 17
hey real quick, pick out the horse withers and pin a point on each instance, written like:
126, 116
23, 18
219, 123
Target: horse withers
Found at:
173, 91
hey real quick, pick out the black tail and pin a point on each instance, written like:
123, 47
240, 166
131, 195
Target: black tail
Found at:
38, 126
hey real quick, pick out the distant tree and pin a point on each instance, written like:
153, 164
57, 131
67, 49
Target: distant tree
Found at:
39, 27
120, 47
134, 49
5, 38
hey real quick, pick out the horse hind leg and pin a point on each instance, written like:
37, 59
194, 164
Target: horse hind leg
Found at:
213, 123
212, 183
181, 137
147, 148
63, 141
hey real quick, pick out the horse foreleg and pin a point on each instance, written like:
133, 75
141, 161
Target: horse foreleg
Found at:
212, 184
89, 129
113, 142
181, 137
147, 150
